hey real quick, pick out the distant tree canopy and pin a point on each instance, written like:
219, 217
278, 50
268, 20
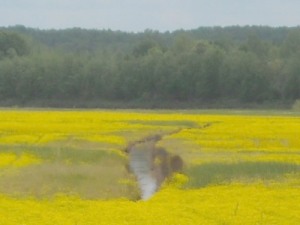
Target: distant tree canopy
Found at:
232, 64
12, 44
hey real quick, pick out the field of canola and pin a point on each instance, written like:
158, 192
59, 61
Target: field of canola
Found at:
70, 168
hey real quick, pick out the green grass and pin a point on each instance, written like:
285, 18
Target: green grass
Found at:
78, 153
85, 169
219, 173
89, 181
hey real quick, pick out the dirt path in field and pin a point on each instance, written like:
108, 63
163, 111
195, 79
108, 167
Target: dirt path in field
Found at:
151, 164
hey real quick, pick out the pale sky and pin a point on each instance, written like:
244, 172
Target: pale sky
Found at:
138, 15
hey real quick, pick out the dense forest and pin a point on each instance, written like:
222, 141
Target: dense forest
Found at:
209, 66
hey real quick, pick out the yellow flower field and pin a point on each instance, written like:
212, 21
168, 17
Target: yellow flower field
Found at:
230, 204
70, 167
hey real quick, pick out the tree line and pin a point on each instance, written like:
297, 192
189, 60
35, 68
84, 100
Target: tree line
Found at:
232, 65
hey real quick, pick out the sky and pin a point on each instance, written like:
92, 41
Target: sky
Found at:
139, 15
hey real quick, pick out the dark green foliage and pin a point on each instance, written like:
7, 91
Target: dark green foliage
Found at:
233, 64
12, 44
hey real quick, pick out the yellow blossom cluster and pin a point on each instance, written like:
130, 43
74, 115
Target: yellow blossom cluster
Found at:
12, 160
246, 133
240, 137
44, 127
228, 204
